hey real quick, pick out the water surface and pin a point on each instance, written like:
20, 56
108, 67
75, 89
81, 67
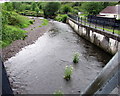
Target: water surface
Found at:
39, 68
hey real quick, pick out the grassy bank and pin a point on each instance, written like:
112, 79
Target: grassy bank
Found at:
12, 24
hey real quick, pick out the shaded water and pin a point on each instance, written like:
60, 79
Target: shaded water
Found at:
39, 68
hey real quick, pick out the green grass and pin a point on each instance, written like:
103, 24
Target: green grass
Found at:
19, 20
44, 22
11, 30
110, 30
23, 21
106, 29
10, 34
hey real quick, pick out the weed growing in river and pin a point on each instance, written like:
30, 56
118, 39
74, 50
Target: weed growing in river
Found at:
76, 58
58, 93
68, 72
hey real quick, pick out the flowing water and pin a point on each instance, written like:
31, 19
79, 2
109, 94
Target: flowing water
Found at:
39, 68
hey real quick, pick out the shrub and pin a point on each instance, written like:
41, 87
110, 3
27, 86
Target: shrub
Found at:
15, 19
11, 33
58, 93
31, 21
61, 17
68, 72
28, 13
76, 58
23, 21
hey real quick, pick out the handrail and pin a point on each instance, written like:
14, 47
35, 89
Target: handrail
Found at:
107, 34
107, 73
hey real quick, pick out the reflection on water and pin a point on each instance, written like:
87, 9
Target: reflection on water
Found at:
39, 68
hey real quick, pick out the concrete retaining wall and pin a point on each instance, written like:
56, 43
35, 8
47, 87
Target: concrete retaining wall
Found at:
110, 45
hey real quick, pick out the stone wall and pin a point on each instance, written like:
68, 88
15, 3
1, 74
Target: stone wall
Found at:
110, 45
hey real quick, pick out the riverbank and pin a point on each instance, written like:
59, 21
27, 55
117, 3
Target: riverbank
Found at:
34, 31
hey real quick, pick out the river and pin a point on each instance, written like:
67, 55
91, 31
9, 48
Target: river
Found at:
39, 68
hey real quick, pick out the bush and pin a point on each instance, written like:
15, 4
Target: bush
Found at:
61, 17
12, 18
44, 22
11, 33
76, 58
31, 21
68, 72
58, 93
23, 21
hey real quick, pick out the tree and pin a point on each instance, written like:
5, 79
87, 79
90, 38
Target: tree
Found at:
66, 9
92, 8
50, 8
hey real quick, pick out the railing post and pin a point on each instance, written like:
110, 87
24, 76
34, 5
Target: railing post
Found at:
85, 20
103, 25
113, 27
78, 19
96, 23
78, 24
90, 22
81, 20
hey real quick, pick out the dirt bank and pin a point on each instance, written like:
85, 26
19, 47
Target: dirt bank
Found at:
34, 32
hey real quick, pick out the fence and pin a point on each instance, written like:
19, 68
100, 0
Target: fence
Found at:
99, 22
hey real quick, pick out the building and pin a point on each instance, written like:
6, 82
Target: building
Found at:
111, 12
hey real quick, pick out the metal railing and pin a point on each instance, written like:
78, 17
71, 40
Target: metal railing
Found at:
105, 24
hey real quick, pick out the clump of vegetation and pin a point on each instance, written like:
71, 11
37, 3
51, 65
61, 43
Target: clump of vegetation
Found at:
12, 23
61, 17
11, 33
58, 93
76, 58
66, 8
31, 22
44, 22
68, 72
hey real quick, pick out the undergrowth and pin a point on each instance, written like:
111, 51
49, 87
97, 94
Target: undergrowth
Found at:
11, 27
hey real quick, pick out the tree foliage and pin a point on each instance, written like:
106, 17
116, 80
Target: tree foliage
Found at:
94, 8
66, 9
50, 9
